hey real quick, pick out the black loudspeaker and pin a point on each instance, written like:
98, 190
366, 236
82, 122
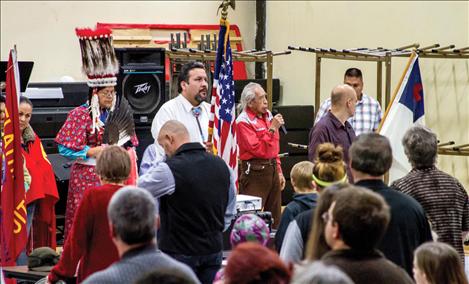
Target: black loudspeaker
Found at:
144, 139
298, 121
61, 166
239, 86
141, 81
47, 121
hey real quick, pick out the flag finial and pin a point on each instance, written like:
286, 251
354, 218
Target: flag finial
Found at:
224, 8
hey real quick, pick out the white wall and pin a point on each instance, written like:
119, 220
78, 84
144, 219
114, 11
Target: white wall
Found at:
47, 37
349, 24
47, 34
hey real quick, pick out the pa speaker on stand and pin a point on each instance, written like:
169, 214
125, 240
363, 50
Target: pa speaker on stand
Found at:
141, 81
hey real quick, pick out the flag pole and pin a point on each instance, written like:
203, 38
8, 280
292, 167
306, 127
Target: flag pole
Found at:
223, 22
412, 56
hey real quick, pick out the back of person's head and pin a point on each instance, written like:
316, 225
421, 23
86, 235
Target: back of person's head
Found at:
174, 127
113, 164
249, 228
362, 216
353, 72
317, 246
253, 263
319, 273
340, 94
329, 167
438, 263
132, 213
301, 176
164, 276
184, 73
173, 134
371, 154
420, 146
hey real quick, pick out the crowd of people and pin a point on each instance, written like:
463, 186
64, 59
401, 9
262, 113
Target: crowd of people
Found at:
344, 224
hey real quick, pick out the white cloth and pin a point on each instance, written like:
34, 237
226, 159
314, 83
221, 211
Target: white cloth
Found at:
180, 109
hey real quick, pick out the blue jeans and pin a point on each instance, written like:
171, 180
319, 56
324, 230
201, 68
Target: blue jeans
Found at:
204, 266
23, 257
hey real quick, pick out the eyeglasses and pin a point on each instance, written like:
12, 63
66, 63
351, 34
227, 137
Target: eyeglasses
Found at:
108, 94
325, 216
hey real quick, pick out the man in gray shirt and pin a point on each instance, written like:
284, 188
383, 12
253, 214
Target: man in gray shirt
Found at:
133, 220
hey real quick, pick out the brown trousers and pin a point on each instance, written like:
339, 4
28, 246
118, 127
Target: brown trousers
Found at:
259, 177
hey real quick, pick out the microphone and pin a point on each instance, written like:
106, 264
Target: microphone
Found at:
299, 146
274, 113
283, 155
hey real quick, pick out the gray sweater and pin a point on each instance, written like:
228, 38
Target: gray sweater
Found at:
136, 263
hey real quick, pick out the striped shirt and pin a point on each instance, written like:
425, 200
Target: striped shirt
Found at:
444, 200
367, 114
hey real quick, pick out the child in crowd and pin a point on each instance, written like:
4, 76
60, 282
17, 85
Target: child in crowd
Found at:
301, 177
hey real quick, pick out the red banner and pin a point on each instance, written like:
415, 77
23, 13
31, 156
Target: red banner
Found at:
13, 207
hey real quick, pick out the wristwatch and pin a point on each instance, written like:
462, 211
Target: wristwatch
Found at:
272, 130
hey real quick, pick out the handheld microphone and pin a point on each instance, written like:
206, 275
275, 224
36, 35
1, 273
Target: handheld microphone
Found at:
274, 113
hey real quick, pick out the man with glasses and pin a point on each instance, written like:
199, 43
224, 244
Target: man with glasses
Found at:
355, 223
334, 127
368, 111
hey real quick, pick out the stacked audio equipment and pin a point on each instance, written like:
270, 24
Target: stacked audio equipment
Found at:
141, 81
298, 122
50, 114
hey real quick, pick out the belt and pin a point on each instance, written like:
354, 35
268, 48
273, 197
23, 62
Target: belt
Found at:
259, 164
256, 161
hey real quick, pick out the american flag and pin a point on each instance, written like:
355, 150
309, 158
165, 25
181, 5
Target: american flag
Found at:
222, 123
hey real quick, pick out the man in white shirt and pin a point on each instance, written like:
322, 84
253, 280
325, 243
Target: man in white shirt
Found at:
367, 111
189, 107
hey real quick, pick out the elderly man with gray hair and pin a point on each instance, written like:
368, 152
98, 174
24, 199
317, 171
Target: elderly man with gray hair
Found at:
443, 197
133, 219
258, 142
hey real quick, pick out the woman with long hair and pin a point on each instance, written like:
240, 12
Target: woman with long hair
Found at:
329, 170
436, 262
42, 193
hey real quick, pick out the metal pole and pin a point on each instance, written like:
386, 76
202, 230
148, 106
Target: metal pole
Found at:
269, 79
379, 83
260, 35
317, 88
388, 78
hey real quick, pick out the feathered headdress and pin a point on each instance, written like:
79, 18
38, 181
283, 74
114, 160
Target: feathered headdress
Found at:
98, 57
120, 127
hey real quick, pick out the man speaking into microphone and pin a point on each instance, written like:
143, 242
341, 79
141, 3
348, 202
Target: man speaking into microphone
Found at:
258, 141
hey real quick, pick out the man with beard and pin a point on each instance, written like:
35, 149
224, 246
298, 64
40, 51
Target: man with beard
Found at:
189, 108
